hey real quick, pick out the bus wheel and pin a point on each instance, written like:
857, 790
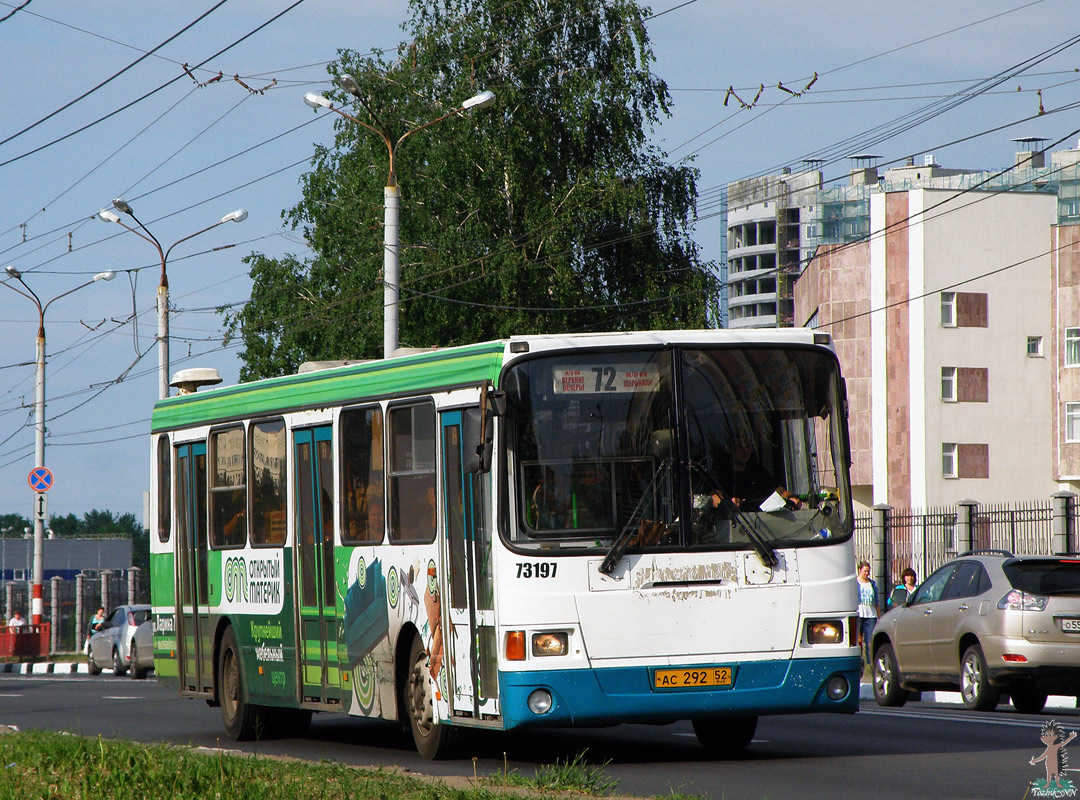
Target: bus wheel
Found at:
433, 739
725, 735
237, 714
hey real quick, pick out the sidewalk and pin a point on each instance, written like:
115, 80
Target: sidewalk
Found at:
866, 692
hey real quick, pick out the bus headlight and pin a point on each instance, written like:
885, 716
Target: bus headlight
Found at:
549, 644
837, 687
540, 701
824, 631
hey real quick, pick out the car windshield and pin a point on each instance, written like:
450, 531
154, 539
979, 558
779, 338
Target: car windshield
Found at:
1047, 577
724, 448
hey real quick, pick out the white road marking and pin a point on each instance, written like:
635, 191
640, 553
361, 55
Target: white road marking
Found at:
983, 718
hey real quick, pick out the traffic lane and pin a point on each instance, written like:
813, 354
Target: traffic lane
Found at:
917, 751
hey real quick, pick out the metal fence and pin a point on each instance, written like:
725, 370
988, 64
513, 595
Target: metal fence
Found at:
924, 539
69, 604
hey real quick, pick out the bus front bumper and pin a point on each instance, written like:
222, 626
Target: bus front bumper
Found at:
615, 695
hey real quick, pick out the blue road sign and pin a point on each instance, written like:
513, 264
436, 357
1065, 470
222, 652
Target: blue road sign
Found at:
40, 479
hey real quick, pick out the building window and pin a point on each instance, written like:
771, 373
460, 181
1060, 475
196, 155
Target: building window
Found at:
1072, 347
965, 460
948, 460
948, 384
972, 384
1034, 347
948, 309
972, 310
1072, 422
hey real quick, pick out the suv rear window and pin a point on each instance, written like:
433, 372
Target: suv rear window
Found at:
1044, 576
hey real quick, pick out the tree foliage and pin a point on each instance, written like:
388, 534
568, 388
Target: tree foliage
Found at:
92, 523
547, 212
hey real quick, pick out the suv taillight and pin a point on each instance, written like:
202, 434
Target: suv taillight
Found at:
1017, 600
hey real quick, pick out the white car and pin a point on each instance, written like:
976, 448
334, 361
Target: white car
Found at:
110, 644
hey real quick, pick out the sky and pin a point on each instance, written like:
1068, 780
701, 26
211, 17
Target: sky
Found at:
123, 99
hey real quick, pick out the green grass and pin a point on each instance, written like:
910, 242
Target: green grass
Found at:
572, 775
43, 764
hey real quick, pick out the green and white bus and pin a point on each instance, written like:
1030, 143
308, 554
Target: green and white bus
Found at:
545, 530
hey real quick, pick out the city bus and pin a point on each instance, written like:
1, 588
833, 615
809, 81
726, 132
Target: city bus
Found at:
575, 530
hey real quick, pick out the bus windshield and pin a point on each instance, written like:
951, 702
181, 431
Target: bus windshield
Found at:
724, 448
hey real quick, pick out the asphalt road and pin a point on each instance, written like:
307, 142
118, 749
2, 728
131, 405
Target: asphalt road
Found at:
921, 751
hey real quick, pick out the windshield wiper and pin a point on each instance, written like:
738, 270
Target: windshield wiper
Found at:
764, 550
633, 524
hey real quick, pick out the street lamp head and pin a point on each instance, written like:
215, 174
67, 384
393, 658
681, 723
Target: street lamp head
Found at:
121, 205
349, 84
107, 215
482, 100
107, 275
12, 272
235, 216
316, 101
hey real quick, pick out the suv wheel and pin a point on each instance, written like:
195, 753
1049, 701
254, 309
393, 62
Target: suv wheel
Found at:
887, 689
975, 686
1027, 699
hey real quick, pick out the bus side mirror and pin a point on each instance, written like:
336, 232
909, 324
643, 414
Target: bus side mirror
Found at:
477, 436
477, 429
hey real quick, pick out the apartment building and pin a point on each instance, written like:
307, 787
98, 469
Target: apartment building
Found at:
957, 322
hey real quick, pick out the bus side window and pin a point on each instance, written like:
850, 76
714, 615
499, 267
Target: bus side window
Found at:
164, 489
268, 482
412, 473
228, 490
362, 475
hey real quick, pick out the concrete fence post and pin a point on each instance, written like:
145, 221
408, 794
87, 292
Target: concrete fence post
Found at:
965, 525
133, 576
1064, 504
106, 579
80, 609
879, 558
56, 610
9, 600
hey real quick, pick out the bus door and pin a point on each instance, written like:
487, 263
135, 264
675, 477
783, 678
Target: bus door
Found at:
316, 598
195, 647
472, 682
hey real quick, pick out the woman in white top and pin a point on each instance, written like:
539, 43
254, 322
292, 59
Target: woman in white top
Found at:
868, 605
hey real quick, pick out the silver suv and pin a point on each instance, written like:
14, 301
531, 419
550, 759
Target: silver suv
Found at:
987, 623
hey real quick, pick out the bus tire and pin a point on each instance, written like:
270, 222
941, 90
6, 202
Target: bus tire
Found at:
433, 739
238, 716
725, 735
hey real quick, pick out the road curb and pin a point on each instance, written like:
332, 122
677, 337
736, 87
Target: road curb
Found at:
866, 692
44, 668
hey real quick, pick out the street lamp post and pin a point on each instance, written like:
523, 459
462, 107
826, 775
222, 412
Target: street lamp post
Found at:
124, 207
36, 602
391, 195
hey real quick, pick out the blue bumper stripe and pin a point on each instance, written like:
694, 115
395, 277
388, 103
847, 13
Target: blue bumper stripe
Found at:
625, 694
